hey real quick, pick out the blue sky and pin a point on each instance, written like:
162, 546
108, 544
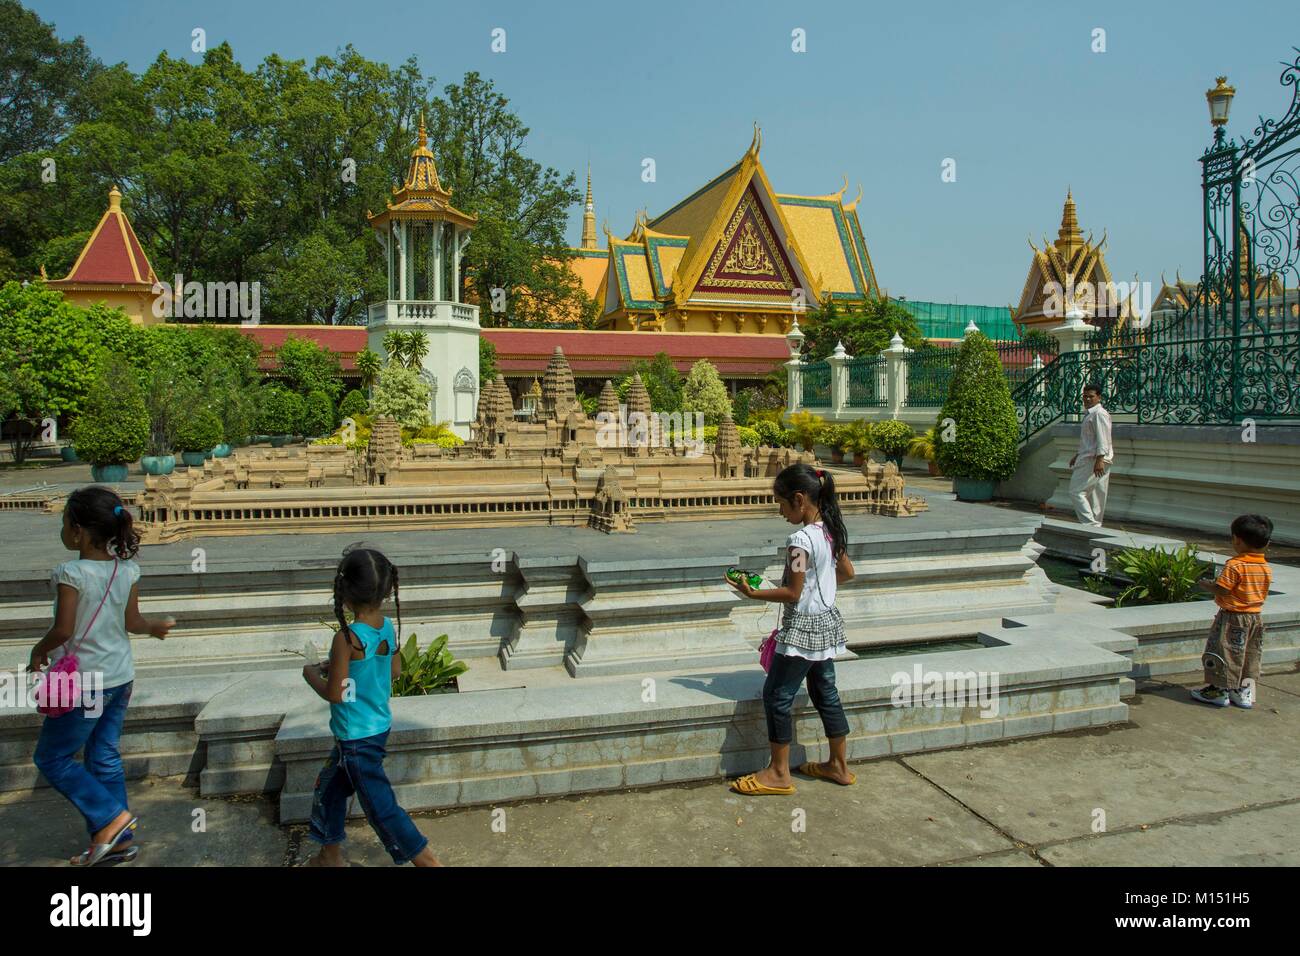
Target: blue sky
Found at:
884, 94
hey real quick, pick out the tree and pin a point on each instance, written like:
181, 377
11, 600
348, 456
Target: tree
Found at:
114, 427
198, 431
353, 404
417, 347
395, 346
318, 418
864, 328
661, 380
401, 394
275, 412
704, 392
487, 360
368, 365
519, 243
23, 396
985, 434
308, 367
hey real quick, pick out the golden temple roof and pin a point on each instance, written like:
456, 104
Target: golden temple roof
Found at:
421, 195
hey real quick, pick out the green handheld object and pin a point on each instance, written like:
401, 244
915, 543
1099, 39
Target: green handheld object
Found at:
737, 575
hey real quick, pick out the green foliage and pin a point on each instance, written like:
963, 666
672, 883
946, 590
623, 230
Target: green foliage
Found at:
704, 392
296, 408
58, 344
772, 434
275, 411
859, 438
1160, 576
369, 365
893, 438
740, 408
318, 416
307, 367
353, 404
807, 428
401, 394
922, 446
660, 378
864, 328
114, 427
24, 396
487, 360
427, 670
986, 434
199, 430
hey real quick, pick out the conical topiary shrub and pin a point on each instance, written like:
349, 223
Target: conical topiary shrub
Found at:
980, 446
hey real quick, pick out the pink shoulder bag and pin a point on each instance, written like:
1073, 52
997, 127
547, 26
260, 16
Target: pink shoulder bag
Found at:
59, 687
767, 650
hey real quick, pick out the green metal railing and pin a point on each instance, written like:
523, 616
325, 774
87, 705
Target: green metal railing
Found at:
816, 385
929, 372
866, 382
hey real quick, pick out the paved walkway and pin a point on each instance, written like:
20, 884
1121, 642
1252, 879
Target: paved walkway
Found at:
1180, 784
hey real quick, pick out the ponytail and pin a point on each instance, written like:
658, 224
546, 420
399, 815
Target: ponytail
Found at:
102, 514
831, 516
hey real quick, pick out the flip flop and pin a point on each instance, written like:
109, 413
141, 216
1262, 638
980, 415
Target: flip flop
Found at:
750, 787
811, 769
123, 855
99, 851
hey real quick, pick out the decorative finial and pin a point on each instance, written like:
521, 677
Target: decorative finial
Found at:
114, 200
423, 139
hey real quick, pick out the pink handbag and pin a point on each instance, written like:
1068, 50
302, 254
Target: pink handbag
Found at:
59, 688
767, 650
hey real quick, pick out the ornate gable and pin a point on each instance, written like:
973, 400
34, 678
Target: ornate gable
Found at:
748, 259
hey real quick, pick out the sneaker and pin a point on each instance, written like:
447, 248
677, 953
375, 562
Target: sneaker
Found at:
1214, 696
1244, 698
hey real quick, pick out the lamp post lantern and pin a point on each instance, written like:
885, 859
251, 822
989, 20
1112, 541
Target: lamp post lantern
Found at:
1220, 101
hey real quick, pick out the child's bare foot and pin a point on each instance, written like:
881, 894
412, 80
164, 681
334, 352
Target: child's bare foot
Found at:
425, 858
110, 831
769, 777
835, 771
329, 855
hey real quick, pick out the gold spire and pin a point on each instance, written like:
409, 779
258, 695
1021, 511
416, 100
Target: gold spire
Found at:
422, 174
1070, 235
114, 200
589, 217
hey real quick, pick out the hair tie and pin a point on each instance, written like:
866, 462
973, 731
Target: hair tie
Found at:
117, 510
820, 473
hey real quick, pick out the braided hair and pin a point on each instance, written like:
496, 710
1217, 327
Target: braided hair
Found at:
819, 488
365, 577
100, 512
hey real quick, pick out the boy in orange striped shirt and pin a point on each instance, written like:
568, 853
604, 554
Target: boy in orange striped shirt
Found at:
1231, 657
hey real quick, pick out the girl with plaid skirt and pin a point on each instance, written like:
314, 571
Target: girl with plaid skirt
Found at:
811, 634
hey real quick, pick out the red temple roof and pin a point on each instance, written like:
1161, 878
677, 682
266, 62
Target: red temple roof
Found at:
525, 352
112, 256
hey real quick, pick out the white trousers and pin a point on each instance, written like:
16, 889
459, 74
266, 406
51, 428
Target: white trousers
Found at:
1088, 492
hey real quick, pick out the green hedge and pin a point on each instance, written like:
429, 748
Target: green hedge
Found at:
985, 434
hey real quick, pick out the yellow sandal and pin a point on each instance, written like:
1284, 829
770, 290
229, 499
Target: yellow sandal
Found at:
750, 787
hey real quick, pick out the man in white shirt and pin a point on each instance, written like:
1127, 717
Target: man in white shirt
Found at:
1091, 477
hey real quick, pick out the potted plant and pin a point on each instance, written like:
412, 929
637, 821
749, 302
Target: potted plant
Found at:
197, 434
834, 436
922, 447
807, 429
113, 429
275, 415
892, 439
68, 452
985, 445
431, 671
859, 441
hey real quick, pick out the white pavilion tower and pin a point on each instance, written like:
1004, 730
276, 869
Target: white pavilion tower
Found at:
424, 237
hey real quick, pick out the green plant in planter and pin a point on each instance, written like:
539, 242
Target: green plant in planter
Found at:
922, 447
985, 431
1160, 576
893, 439
297, 407
834, 436
275, 411
770, 433
807, 428
354, 403
113, 429
199, 431
859, 438
318, 415
427, 670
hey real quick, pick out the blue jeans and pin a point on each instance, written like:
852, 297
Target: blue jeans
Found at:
782, 684
357, 766
97, 785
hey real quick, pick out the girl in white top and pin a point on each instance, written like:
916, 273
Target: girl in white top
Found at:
96, 604
811, 634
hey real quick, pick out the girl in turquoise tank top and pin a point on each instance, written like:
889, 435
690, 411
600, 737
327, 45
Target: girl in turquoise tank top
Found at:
357, 682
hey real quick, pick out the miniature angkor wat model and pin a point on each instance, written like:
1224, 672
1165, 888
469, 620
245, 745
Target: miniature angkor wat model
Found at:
551, 466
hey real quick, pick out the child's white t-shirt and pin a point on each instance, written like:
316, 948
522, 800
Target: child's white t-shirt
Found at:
819, 576
106, 648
